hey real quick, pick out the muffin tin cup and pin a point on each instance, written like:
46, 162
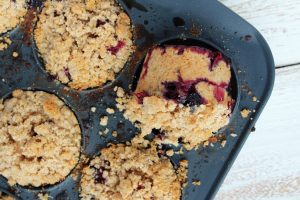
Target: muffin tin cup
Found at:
199, 23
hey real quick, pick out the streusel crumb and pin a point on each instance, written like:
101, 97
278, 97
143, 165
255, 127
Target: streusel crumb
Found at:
84, 43
131, 173
11, 14
245, 113
39, 139
4, 42
182, 91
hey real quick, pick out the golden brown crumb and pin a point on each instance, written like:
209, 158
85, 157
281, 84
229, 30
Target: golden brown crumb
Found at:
43, 196
104, 121
11, 14
15, 54
170, 152
245, 113
4, 42
110, 110
114, 133
196, 182
254, 98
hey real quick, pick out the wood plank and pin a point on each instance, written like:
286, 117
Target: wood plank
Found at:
268, 166
278, 21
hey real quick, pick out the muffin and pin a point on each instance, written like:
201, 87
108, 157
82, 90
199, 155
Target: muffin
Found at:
132, 173
11, 13
84, 43
182, 94
4, 196
39, 139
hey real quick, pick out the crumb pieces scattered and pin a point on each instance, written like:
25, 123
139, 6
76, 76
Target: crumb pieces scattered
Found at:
11, 14
196, 182
4, 42
15, 54
245, 113
110, 110
42, 196
104, 121
120, 92
93, 109
114, 134
254, 98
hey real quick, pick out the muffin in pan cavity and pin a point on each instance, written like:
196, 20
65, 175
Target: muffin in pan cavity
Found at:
4, 196
39, 139
84, 43
132, 172
182, 91
11, 13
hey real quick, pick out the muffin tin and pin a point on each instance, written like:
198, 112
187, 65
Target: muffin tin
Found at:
196, 22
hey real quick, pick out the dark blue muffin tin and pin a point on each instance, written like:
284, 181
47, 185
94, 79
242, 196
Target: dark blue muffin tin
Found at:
195, 22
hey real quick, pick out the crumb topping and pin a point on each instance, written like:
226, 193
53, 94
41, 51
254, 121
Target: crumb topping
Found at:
11, 13
84, 43
132, 173
39, 139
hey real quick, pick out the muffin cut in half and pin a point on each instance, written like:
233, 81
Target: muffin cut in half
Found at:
182, 92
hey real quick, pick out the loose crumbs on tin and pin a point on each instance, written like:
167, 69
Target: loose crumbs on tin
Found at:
245, 113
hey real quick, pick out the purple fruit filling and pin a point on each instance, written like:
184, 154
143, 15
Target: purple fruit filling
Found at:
141, 96
114, 50
99, 178
184, 92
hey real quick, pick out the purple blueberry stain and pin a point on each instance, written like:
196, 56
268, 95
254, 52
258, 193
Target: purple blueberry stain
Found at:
183, 92
99, 23
115, 49
140, 96
99, 178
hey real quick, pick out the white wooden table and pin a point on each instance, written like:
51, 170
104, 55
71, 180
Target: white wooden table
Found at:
268, 166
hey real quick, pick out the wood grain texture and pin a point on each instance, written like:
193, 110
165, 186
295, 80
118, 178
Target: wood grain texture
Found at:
278, 21
268, 166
